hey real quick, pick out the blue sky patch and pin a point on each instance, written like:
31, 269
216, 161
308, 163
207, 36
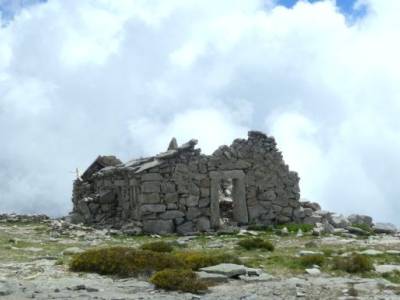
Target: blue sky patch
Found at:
345, 6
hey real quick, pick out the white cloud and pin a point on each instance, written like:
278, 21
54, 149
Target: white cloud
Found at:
78, 79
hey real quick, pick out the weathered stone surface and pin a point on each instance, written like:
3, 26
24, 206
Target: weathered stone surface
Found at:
339, 221
385, 228
72, 251
203, 224
229, 270
360, 219
212, 277
185, 228
152, 208
172, 214
187, 183
158, 226
152, 198
151, 187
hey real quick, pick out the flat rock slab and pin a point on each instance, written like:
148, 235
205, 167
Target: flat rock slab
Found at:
309, 253
229, 270
212, 277
392, 252
387, 268
262, 277
371, 252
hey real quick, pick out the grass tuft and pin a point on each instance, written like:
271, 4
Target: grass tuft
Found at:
123, 261
256, 243
356, 263
310, 260
160, 246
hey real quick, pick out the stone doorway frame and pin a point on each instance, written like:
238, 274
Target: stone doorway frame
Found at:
240, 213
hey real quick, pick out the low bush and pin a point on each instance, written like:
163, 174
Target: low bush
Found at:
195, 259
356, 263
310, 260
158, 247
178, 280
256, 243
123, 261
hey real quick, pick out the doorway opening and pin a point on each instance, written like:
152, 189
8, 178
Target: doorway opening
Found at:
228, 199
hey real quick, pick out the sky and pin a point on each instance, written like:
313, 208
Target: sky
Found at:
84, 78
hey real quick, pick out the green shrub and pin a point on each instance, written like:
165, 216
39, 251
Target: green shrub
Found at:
256, 243
178, 280
158, 247
356, 263
123, 261
310, 260
195, 259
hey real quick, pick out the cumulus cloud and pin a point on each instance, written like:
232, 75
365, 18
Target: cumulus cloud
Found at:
82, 78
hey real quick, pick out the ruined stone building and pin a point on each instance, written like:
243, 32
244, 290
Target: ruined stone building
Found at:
184, 191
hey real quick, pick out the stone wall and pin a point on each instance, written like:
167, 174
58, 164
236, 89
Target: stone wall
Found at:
178, 190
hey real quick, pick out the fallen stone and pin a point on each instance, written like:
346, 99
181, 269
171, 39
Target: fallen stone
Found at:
230, 270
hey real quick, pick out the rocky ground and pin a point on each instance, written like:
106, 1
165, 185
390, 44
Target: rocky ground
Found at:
34, 255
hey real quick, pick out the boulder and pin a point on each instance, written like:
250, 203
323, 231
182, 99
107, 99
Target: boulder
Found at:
360, 219
385, 228
229, 270
371, 252
313, 271
339, 221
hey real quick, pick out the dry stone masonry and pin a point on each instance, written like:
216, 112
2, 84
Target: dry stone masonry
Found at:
184, 191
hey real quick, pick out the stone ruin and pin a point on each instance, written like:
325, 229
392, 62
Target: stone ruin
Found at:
184, 191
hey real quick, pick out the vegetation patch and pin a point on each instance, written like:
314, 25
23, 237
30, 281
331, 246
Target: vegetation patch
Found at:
294, 228
393, 277
160, 246
256, 243
184, 280
364, 227
123, 261
195, 259
356, 263
311, 260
